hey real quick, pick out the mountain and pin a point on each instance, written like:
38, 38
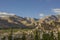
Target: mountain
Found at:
51, 22
14, 21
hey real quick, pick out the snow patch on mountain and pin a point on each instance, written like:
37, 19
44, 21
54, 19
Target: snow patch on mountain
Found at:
3, 14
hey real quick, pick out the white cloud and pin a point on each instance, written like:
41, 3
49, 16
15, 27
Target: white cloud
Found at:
41, 15
5, 13
57, 10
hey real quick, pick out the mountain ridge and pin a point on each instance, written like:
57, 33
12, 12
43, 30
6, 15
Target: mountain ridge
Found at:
47, 23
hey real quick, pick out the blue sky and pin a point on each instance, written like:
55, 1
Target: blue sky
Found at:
30, 8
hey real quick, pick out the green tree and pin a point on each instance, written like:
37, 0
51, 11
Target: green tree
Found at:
23, 37
37, 35
46, 36
11, 33
3, 38
58, 35
51, 36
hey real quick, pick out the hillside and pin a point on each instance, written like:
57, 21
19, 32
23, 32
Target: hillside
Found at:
51, 22
14, 21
